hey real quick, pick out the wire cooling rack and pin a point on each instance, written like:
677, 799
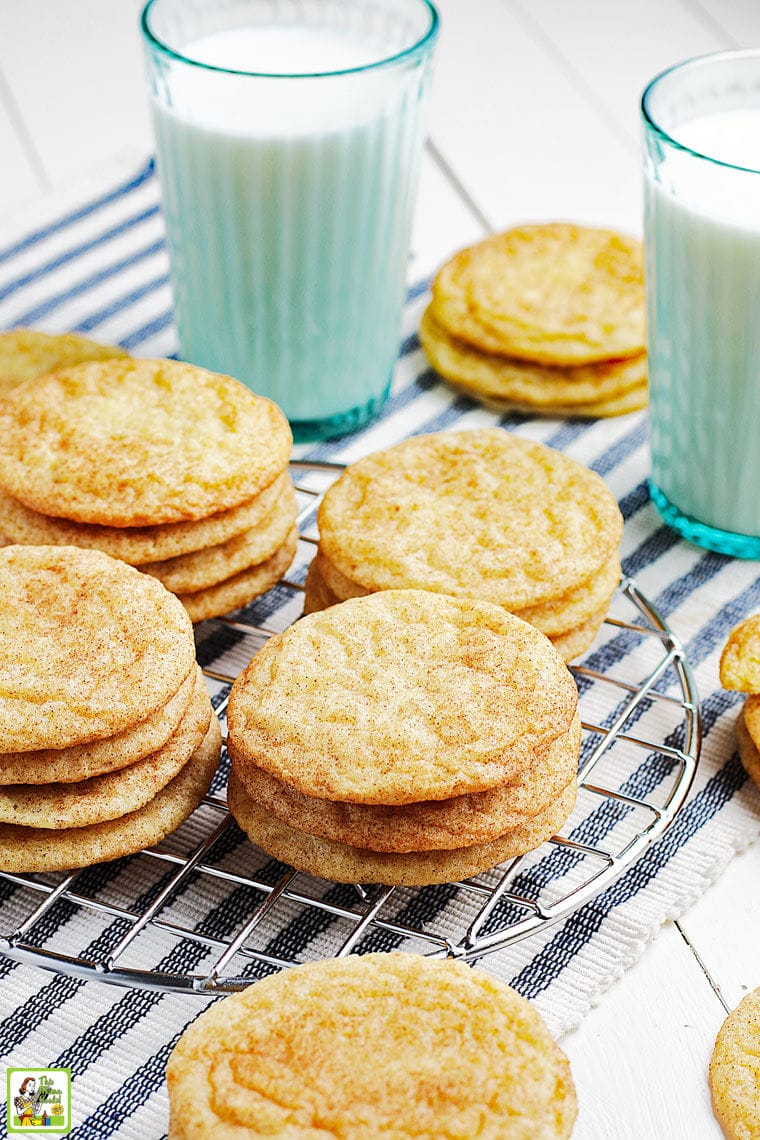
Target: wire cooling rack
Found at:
206, 912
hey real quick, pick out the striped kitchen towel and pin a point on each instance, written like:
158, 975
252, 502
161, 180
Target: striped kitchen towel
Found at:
97, 264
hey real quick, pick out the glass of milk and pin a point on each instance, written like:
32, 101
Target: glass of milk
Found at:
289, 135
702, 187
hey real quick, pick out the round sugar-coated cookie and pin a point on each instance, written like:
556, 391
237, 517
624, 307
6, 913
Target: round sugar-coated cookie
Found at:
735, 1071
566, 613
89, 646
556, 616
317, 594
750, 714
241, 588
28, 849
569, 644
631, 401
573, 642
26, 353
82, 761
188, 573
434, 825
557, 294
482, 514
408, 1047
740, 659
140, 544
113, 794
748, 750
401, 696
539, 387
344, 863
138, 443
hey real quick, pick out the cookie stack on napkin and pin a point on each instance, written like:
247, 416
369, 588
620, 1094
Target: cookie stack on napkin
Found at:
176, 470
478, 514
544, 319
406, 737
109, 738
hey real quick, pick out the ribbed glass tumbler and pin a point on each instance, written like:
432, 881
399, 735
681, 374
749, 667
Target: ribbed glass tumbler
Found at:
289, 138
702, 188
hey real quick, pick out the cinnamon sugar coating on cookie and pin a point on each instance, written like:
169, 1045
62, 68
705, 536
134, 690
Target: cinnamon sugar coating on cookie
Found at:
482, 514
26, 353
401, 696
88, 646
740, 660
735, 1071
384, 1045
28, 849
138, 443
557, 294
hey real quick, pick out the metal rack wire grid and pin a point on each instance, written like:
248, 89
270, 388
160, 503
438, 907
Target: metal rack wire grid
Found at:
206, 912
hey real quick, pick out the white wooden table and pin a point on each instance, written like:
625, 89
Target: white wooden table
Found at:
535, 116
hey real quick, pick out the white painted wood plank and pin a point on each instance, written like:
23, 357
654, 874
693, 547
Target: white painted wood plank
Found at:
738, 20
614, 48
18, 179
517, 131
442, 223
76, 72
724, 927
640, 1059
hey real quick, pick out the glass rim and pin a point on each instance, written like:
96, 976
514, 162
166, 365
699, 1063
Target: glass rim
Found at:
417, 48
694, 63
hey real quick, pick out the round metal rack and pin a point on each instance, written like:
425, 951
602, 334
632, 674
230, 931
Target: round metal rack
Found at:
206, 912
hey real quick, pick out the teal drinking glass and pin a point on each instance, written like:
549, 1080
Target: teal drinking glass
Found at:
289, 135
702, 194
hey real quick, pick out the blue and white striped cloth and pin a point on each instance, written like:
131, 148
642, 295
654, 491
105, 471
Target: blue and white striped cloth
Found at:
97, 264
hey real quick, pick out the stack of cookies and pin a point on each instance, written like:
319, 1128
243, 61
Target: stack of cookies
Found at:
25, 353
369, 1047
109, 738
174, 469
740, 671
544, 319
403, 738
479, 514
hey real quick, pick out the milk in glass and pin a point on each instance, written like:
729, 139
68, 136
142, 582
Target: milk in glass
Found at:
703, 280
288, 197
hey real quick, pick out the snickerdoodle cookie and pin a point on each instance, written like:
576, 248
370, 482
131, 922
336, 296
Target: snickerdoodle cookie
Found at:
480, 514
506, 383
112, 794
25, 353
740, 660
740, 670
432, 825
138, 442
401, 696
141, 544
543, 320
89, 646
735, 1071
345, 863
408, 1047
557, 294
25, 849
